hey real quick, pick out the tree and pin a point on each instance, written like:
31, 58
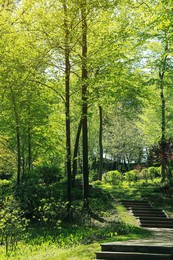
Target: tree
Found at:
67, 106
159, 62
85, 103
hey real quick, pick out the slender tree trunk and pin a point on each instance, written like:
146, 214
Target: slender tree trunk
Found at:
127, 166
67, 110
100, 143
163, 127
23, 162
85, 106
163, 121
76, 151
29, 139
17, 137
29, 148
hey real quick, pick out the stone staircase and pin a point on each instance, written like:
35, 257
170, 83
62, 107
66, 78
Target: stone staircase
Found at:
148, 250
147, 215
122, 251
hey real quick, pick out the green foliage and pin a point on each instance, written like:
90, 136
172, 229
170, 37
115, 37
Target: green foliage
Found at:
48, 174
37, 199
7, 160
12, 223
112, 177
132, 175
5, 188
149, 173
144, 174
51, 212
97, 183
154, 172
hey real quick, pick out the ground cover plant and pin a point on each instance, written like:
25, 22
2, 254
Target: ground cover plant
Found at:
50, 237
33, 220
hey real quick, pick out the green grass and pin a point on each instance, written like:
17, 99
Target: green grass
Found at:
37, 250
81, 239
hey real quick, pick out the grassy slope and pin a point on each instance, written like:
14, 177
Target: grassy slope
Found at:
79, 242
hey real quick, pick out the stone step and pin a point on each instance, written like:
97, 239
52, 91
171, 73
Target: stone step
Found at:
146, 214
147, 210
136, 205
122, 247
158, 225
134, 201
142, 202
132, 256
139, 206
156, 221
165, 218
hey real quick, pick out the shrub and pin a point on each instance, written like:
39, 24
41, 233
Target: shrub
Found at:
32, 192
144, 174
12, 223
51, 212
5, 188
154, 172
97, 183
112, 177
131, 175
49, 174
149, 173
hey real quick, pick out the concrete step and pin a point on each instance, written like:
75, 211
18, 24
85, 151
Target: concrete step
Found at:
147, 210
121, 247
155, 218
154, 214
157, 225
144, 211
139, 206
131, 256
134, 201
156, 221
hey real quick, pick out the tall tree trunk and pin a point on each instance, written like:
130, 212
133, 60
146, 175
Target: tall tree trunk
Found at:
85, 106
29, 161
76, 151
67, 110
16, 116
29, 148
163, 121
100, 144
163, 127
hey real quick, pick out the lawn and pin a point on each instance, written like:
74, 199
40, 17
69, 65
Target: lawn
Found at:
82, 238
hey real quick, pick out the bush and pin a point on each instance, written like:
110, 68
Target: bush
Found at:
51, 212
48, 174
12, 223
143, 175
5, 188
149, 173
131, 175
112, 177
32, 193
154, 172
97, 183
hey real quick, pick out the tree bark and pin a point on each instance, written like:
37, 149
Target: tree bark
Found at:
16, 116
67, 110
85, 106
76, 151
100, 144
163, 127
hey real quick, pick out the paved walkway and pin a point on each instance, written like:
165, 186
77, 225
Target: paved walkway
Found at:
159, 237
